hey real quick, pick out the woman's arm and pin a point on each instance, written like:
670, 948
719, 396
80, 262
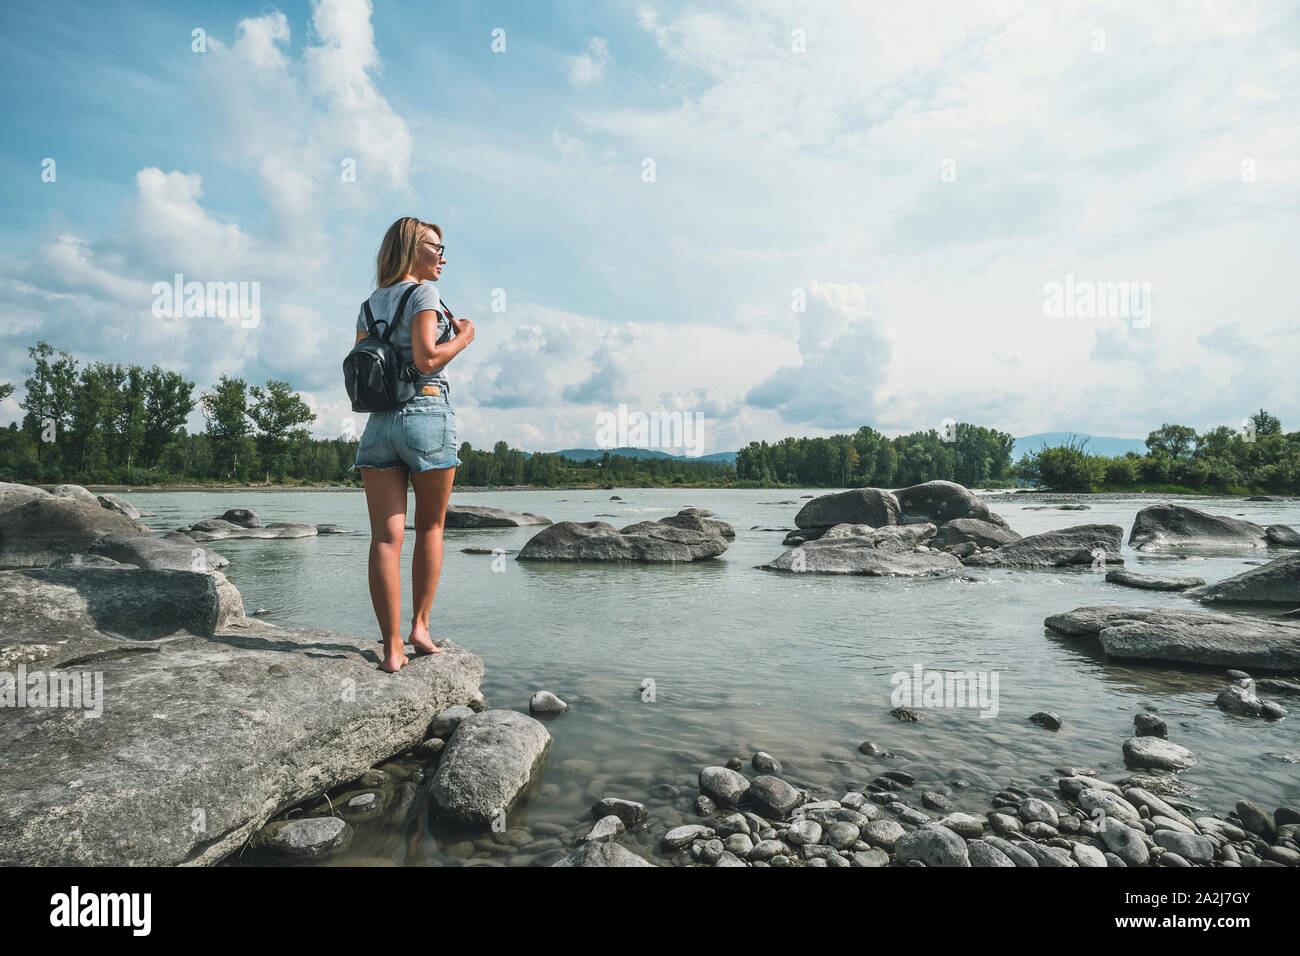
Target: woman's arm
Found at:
430, 357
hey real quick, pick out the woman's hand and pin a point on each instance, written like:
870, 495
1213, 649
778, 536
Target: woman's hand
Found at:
463, 327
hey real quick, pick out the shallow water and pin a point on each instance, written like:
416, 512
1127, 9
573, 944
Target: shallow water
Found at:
743, 659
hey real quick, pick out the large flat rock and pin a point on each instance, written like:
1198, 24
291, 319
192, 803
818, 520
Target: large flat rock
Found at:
68, 617
879, 554
204, 741
653, 542
1186, 637
219, 529
1152, 582
1081, 545
1169, 526
479, 516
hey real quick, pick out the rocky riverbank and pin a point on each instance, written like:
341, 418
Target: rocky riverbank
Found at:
149, 721
893, 811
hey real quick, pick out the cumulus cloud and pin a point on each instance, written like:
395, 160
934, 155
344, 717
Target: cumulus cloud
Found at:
844, 356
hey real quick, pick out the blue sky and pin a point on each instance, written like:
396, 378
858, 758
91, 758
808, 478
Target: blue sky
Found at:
915, 174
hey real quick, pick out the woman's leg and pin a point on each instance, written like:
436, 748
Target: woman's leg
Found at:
432, 491
386, 499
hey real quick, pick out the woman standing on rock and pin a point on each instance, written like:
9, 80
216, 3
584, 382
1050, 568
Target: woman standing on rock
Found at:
419, 437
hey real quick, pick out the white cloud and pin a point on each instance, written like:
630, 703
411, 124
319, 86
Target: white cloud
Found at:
588, 69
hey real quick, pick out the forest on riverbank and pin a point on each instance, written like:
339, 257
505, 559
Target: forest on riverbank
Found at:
112, 424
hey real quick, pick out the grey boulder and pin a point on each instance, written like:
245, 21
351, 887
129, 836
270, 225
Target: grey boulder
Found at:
489, 764
1277, 582
933, 845
1156, 753
1189, 637
12, 494
877, 555
651, 542
1152, 582
480, 516
206, 739
942, 501
1169, 526
984, 534
75, 492
1084, 544
602, 854
870, 506
43, 530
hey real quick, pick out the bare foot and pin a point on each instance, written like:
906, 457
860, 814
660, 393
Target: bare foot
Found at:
394, 662
422, 642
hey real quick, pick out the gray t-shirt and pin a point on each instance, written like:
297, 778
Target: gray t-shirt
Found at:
382, 303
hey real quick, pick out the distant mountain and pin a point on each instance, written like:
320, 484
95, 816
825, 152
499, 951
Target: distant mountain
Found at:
1110, 447
587, 454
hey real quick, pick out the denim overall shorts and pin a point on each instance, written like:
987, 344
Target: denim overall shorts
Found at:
419, 436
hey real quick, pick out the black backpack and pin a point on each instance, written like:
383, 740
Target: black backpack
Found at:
373, 373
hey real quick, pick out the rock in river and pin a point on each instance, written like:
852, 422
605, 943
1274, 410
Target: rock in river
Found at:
1156, 753
218, 529
1189, 637
1081, 545
984, 534
1277, 582
874, 556
12, 495
489, 764
1152, 582
602, 854
237, 726
43, 530
648, 541
933, 845
75, 492
870, 506
478, 516
943, 501
1175, 526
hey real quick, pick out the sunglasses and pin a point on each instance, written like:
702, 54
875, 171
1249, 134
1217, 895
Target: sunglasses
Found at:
438, 247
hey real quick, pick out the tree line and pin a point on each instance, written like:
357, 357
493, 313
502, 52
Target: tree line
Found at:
968, 454
103, 423
1256, 458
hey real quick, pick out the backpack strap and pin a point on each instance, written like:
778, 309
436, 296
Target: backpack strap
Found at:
401, 309
370, 319
446, 311
391, 325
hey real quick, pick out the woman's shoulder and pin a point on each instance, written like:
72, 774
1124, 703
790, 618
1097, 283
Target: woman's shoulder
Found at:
426, 297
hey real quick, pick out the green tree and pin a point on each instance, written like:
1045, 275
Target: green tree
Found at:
225, 409
48, 394
1172, 440
1266, 424
278, 412
168, 401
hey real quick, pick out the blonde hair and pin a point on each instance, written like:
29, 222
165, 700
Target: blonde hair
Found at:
398, 251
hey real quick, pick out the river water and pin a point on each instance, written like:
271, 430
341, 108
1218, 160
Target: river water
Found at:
742, 659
